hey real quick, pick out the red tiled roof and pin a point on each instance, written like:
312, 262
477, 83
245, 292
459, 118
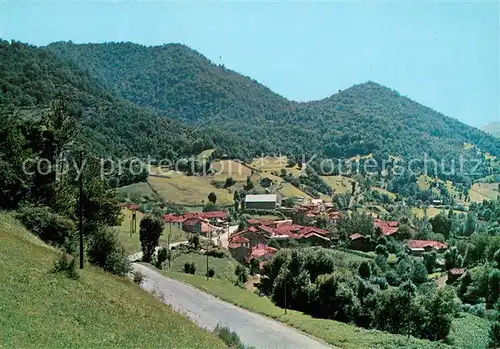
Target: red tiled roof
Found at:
426, 243
356, 236
308, 235
457, 271
133, 207
261, 250
267, 229
319, 231
234, 245
239, 239
388, 227
213, 214
174, 218
260, 222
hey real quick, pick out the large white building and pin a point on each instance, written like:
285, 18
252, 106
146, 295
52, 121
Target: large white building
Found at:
263, 201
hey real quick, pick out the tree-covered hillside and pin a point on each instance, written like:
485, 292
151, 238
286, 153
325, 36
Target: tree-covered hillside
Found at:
493, 128
178, 82
31, 77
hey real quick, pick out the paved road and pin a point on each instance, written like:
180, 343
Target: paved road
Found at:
208, 311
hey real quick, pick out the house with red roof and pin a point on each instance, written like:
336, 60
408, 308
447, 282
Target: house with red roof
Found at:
358, 242
175, 220
262, 253
197, 225
387, 228
417, 247
454, 274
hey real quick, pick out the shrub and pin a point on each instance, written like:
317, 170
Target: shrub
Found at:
161, 257
494, 335
190, 267
242, 274
137, 277
365, 271
216, 252
49, 226
230, 338
105, 251
211, 273
66, 264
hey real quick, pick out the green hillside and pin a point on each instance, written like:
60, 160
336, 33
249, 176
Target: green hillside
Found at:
45, 310
31, 78
179, 82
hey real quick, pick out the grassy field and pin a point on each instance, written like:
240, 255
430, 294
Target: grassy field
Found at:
138, 190
470, 331
45, 310
205, 155
333, 332
483, 191
223, 267
231, 168
339, 184
384, 191
431, 212
132, 243
189, 190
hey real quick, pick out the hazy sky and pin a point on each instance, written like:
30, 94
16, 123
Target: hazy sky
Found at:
444, 55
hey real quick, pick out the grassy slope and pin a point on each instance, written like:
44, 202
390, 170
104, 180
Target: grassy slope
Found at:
223, 267
138, 190
189, 190
132, 243
470, 331
44, 310
334, 332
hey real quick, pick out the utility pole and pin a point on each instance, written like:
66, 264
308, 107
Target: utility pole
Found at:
80, 182
286, 277
168, 242
209, 241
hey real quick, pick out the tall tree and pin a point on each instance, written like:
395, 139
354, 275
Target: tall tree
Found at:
150, 231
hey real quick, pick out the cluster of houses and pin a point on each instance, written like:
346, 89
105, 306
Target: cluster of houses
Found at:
253, 242
318, 207
203, 223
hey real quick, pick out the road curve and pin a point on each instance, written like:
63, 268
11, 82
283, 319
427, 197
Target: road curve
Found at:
208, 311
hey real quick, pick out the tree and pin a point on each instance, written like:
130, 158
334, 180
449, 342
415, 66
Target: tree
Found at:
105, 251
430, 260
254, 266
161, 257
194, 242
452, 258
249, 185
212, 197
441, 224
229, 183
494, 335
241, 274
419, 275
382, 250
365, 271
150, 231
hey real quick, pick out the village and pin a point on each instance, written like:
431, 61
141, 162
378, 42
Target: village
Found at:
257, 240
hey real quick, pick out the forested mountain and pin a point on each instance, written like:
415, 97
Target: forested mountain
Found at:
178, 82
493, 128
31, 77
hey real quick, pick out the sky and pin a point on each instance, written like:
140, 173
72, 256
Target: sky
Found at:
444, 55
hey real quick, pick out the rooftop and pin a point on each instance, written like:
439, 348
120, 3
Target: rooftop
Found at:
261, 198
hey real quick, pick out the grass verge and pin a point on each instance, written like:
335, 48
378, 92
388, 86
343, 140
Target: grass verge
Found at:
41, 309
333, 332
